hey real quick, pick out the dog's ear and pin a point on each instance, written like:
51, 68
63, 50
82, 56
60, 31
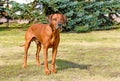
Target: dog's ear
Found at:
65, 19
49, 18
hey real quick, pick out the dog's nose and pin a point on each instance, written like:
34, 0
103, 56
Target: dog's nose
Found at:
59, 24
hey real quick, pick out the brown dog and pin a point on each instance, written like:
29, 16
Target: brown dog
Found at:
46, 35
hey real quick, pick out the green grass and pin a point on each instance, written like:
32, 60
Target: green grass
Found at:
93, 56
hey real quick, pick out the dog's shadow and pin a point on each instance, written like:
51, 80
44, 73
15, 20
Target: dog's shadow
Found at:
63, 64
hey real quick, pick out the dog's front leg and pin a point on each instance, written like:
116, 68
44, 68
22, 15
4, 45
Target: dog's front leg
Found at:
47, 71
54, 53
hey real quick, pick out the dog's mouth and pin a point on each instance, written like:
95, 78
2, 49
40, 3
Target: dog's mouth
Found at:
59, 25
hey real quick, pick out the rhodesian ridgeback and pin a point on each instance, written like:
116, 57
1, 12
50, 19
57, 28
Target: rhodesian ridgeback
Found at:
46, 35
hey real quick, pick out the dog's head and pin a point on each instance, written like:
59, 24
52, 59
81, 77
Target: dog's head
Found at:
57, 20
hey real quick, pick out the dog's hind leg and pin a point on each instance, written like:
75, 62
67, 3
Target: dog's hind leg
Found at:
37, 52
26, 47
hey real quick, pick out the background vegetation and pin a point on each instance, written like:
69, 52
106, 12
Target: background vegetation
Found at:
83, 15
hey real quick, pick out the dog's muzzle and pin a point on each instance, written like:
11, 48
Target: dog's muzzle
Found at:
59, 25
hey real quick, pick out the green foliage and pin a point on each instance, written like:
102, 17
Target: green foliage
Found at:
80, 13
82, 29
26, 11
90, 15
2, 9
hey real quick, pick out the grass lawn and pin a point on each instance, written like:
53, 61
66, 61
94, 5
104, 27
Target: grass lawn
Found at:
93, 56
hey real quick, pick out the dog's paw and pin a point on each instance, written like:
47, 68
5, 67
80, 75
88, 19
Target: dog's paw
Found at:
47, 72
24, 66
38, 64
53, 71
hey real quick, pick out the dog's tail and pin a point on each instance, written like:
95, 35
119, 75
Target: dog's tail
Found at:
21, 45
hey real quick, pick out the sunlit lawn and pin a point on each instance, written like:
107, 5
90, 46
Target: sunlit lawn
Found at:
93, 56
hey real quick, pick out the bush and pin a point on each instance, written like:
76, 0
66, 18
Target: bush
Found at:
82, 16
82, 29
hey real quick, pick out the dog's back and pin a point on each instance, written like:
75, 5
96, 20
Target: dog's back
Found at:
39, 31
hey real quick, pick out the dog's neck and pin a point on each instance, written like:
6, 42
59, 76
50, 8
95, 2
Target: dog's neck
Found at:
54, 28
55, 33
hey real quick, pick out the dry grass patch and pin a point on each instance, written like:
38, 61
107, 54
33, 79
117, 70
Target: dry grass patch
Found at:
93, 56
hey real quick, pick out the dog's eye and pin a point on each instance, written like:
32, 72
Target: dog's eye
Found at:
55, 19
61, 19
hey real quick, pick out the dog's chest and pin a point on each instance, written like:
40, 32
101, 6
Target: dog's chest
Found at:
53, 39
